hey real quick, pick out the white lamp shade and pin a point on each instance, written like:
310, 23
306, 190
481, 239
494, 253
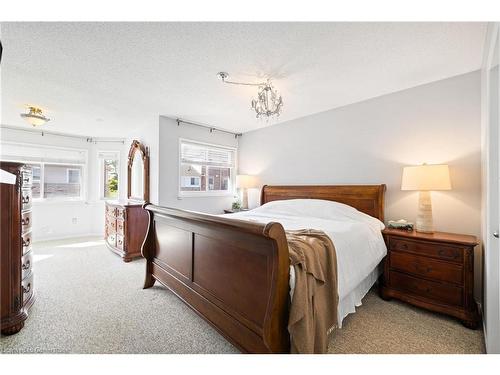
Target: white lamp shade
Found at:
245, 181
426, 177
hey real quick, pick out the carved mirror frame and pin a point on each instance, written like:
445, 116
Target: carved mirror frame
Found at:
144, 153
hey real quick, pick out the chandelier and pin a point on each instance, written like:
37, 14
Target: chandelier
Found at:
35, 116
268, 102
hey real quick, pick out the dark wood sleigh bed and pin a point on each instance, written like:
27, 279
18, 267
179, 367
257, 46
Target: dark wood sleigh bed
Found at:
234, 273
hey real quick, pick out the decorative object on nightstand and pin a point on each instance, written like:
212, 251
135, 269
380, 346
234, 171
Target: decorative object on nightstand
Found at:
400, 224
432, 271
243, 183
425, 178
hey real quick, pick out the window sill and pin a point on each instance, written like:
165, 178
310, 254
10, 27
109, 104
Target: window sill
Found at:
43, 202
203, 195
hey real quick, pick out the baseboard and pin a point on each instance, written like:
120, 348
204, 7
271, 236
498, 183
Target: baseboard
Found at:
65, 237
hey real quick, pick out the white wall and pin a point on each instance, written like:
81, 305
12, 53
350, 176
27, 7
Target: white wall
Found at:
148, 134
371, 141
170, 134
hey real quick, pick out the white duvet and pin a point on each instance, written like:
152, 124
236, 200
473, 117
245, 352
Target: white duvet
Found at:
357, 238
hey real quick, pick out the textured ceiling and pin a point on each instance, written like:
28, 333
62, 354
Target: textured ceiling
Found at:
107, 79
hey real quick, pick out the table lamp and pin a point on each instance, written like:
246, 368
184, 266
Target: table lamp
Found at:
243, 183
425, 178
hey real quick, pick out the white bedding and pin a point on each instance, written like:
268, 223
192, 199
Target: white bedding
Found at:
357, 238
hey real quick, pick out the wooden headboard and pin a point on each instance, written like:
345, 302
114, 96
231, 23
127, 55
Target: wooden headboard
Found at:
365, 198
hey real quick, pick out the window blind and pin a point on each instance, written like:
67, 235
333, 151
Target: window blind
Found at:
113, 155
198, 153
36, 153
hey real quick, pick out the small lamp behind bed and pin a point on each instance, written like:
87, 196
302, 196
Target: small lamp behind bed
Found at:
243, 183
425, 178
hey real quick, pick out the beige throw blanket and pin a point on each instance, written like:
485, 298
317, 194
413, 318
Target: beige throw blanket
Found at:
313, 311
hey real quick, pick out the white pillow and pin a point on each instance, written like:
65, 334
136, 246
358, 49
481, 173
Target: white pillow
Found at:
318, 208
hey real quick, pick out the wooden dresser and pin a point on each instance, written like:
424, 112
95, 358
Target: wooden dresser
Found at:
432, 271
16, 257
126, 224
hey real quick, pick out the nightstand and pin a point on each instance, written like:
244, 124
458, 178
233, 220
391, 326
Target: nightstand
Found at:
231, 211
433, 271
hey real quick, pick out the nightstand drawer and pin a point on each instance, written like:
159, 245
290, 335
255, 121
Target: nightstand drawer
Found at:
427, 267
443, 293
434, 250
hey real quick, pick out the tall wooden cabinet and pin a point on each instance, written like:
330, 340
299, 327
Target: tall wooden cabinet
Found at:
126, 225
16, 258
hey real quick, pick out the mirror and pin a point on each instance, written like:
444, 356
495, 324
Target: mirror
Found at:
138, 172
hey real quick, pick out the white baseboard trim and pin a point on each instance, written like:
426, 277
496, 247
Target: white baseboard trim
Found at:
65, 237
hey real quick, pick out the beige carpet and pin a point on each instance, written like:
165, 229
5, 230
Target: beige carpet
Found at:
395, 327
89, 301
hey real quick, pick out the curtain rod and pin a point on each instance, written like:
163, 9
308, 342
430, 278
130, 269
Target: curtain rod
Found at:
211, 128
82, 137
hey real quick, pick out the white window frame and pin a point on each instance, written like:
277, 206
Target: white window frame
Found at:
217, 193
83, 176
100, 160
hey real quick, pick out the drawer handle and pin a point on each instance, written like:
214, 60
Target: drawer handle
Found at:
404, 246
27, 265
27, 242
25, 221
27, 289
26, 199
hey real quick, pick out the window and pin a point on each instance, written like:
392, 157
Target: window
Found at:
61, 181
109, 166
73, 176
58, 173
205, 169
35, 187
56, 181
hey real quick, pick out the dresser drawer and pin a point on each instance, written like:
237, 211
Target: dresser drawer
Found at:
26, 178
426, 267
110, 225
26, 264
28, 288
110, 211
120, 226
25, 199
441, 293
26, 242
120, 213
25, 221
119, 242
111, 239
438, 251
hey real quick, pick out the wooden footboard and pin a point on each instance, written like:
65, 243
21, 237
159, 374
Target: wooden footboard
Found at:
233, 273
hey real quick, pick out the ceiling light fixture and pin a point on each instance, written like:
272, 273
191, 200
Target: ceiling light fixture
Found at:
35, 116
268, 102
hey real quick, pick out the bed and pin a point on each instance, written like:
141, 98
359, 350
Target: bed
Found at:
234, 271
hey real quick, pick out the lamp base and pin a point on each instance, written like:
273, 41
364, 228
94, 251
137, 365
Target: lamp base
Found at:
424, 216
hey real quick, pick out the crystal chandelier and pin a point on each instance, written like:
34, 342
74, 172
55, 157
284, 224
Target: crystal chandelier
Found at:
268, 102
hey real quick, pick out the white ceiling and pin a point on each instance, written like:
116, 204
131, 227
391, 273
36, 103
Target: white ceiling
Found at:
107, 79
